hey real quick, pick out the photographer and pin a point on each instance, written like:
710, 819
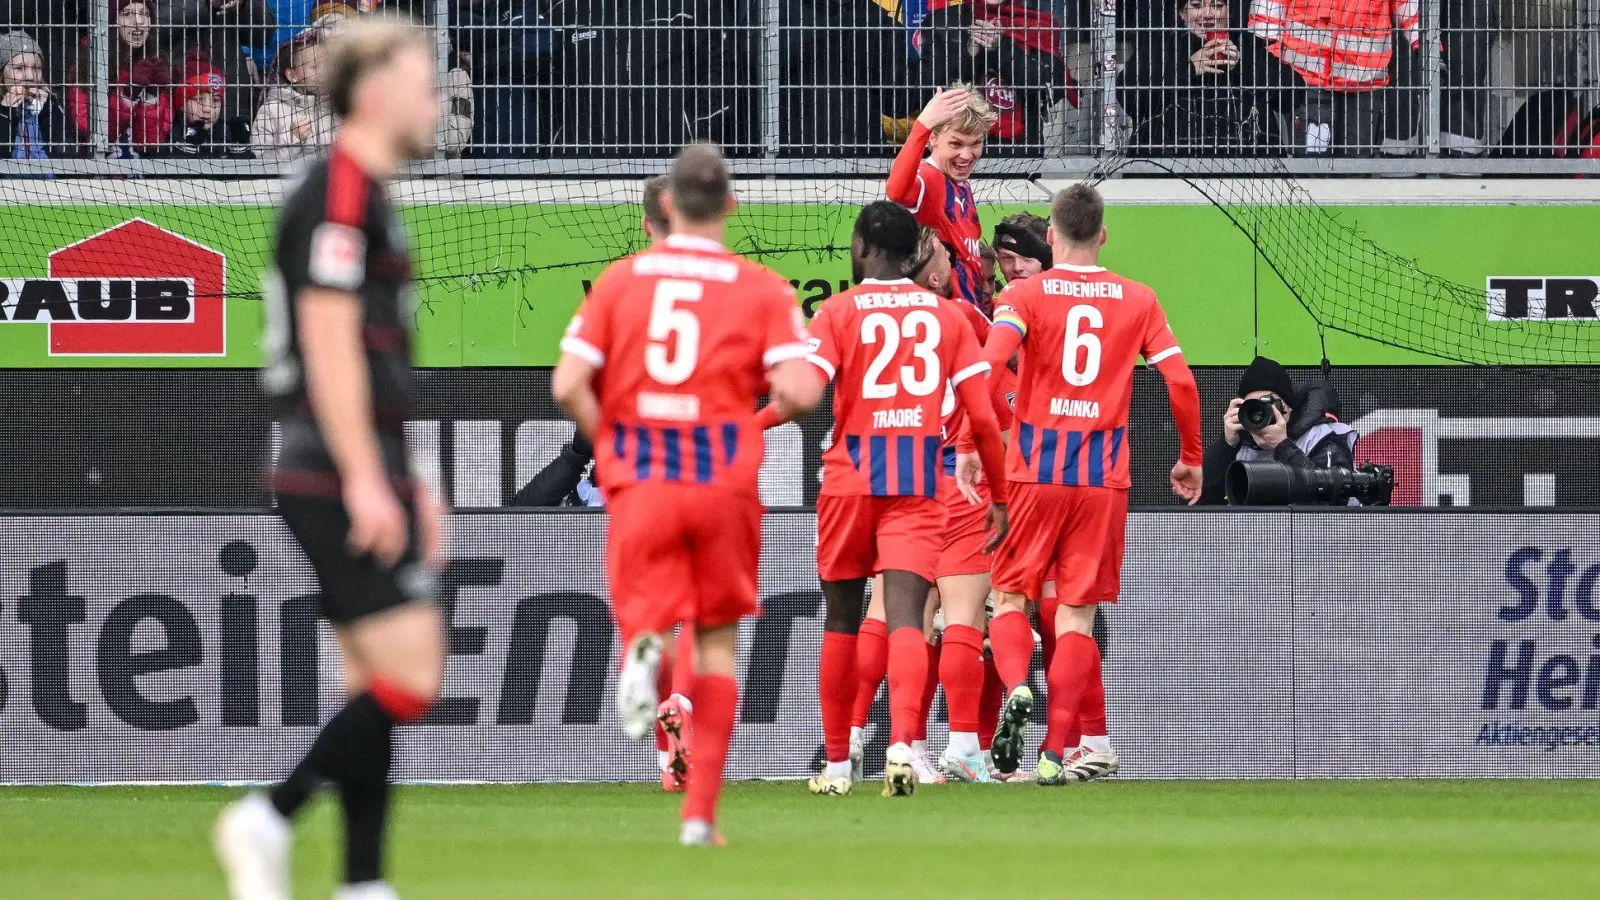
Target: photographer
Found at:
1304, 432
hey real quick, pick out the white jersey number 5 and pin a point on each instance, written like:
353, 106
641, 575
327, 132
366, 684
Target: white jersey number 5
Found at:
668, 322
1080, 319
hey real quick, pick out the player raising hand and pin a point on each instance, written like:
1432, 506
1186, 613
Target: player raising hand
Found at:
1081, 328
661, 368
890, 347
951, 130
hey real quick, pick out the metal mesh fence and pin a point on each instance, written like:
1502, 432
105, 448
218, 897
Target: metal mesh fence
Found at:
219, 80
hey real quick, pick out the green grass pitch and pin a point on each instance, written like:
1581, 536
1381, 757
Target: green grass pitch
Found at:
1228, 840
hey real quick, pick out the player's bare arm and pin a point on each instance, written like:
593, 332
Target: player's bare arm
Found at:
341, 400
796, 389
974, 396
1184, 396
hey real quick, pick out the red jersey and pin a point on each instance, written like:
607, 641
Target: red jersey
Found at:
1083, 329
683, 336
957, 434
891, 349
945, 206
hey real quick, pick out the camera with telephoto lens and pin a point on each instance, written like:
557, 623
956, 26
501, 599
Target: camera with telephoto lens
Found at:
1275, 484
1257, 414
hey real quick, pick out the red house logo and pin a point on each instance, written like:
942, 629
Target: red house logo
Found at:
149, 292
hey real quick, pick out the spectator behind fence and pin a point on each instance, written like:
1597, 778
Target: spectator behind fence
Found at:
1197, 86
295, 118
456, 108
33, 124
1012, 51
140, 102
56, 25
293, 17
1463, 102
844, 77
511, 44
1341, 50
199, 131
221, 30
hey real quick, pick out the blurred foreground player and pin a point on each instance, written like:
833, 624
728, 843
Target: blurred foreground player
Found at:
662, 367
339, 371
890, 348
1082, 329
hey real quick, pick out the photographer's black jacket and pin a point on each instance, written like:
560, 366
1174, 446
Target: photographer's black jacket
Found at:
1317, 406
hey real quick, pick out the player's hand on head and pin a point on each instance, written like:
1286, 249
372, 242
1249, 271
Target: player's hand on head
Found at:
969, 471
943, 107
377, 520
1232, 428
998, 522
1186, 483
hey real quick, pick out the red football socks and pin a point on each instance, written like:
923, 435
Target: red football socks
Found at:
1092, 715
836, 685
908, 670
961, 673
716, 701
994, 694
1011, 638
872, 664
930, 686
1077, 658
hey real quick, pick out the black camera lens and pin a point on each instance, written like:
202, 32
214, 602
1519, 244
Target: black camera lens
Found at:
1256, 414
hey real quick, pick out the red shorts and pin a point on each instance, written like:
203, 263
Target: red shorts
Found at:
1073, 535
965, 532
858, 537
679, 553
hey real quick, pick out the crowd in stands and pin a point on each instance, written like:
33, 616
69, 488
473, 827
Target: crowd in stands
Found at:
534, 78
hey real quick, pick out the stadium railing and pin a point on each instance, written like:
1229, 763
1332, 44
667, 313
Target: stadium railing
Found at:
807, 87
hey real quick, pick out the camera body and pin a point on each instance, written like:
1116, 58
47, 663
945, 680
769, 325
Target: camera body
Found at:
1256, 414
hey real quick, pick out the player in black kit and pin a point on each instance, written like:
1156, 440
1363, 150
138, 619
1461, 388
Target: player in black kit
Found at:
339, 372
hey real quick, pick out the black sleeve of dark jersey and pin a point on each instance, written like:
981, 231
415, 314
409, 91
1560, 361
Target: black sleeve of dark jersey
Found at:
558, 479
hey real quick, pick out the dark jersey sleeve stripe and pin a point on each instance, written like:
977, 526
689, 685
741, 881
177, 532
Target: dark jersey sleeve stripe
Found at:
347, 191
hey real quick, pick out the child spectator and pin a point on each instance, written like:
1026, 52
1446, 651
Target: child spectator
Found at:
200, 132
220, 30
140, 101
32, 123
295, 118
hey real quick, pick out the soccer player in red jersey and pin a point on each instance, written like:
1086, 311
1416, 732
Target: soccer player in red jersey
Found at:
890, 348
661, 368
675, 679
951, 130
962, 586
1081, 329
930, 269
